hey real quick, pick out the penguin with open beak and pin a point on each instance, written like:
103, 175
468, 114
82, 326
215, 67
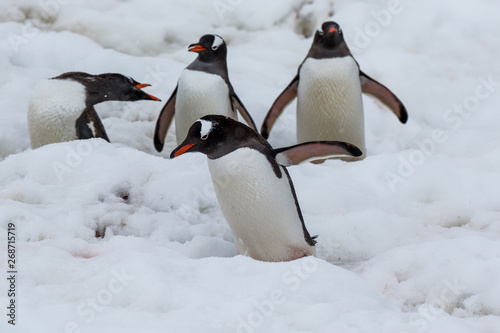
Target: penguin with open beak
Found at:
62, 108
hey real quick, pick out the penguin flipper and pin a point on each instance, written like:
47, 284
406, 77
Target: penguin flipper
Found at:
314, 150
279, 105
238, 105
89, 125
164, 121
382, 93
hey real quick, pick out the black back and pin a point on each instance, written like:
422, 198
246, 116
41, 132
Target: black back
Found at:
107, 87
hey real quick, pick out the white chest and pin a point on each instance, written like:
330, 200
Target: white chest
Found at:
199, 94
329, 102
53, 110
258, 206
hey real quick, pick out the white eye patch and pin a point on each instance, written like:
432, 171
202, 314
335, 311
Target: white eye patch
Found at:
217, 42
206, 127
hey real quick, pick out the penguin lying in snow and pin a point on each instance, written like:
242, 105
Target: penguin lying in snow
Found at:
253, 187
62, 108
203, 88
328, 88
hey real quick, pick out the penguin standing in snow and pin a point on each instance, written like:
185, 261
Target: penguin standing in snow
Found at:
328, 88
253, 187
62, 108
203, 88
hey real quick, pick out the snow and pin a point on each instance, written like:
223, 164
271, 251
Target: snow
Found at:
408, 239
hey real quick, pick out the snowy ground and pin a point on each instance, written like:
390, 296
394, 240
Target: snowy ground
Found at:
408, 238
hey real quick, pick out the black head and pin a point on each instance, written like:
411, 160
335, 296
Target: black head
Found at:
110, 87
329, 42
210, 48
216, 136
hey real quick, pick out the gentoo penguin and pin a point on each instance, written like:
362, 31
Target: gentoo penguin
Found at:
202, 89
253, 187
328, 88
62, 108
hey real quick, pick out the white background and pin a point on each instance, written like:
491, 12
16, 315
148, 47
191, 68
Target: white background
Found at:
408, 239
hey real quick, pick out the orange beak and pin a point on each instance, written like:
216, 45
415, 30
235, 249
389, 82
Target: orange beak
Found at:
143, 85
332, 29
196, 48
183, 149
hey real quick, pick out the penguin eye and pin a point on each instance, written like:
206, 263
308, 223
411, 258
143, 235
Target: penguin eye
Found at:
204, 137
321, 33
215, 47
